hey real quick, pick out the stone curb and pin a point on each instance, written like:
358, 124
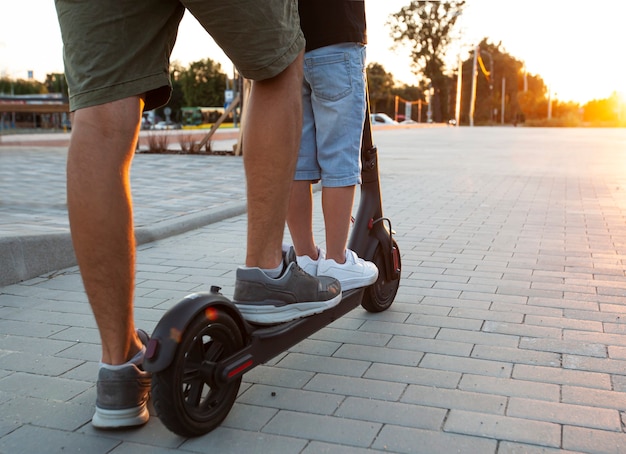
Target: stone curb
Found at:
29, 256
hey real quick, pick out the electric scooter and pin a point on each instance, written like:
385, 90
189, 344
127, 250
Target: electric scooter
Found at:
202, 346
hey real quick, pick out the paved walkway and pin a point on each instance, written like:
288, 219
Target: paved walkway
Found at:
172, 194
506, 336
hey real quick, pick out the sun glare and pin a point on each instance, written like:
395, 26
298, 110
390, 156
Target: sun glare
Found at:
621, 107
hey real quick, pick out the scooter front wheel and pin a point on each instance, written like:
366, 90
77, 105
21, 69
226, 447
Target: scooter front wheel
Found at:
379, 296
187, 398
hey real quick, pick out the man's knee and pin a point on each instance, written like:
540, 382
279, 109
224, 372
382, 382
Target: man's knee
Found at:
289, 77
117, 118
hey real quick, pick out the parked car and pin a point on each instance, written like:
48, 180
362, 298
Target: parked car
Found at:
382, 119
162, 125
145, 123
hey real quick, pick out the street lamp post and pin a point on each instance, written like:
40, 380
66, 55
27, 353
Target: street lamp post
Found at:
491, 79
459, 88
503, 98
474, 79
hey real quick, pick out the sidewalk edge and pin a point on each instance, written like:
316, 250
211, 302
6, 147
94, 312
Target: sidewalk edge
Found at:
29, 256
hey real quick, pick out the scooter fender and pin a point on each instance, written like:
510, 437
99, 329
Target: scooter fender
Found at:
164, 341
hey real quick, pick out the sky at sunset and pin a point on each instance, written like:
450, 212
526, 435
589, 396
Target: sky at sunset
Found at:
576, 46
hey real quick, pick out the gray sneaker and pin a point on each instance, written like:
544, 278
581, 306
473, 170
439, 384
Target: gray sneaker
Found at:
122, 395
295, 294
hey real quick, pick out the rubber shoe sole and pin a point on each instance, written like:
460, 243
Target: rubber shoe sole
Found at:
295, 294
122, 395
117, 419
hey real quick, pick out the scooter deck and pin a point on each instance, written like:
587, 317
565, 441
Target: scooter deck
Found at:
266, 342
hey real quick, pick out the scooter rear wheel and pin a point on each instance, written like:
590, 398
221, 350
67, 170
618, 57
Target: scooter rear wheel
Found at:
379, 296
186, 396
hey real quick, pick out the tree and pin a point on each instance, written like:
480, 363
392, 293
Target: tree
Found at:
533, 101
604, 111
56, 83
21, 87
203, 84
176, 100
380, 85
426, 27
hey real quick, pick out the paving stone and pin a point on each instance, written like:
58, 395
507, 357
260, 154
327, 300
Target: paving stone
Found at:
339, 366
604, 365
557, 301
594, 398
420, 441
467, 365
248, 417
351, 386
10, 343
617, 352
42, 386
516, 355
316, 347
45, 413
323, 428
561, 322
584, 439
399, 329
507, 447
600, 338
454, 399
277, 376
487, 315
31, 439
431, 346
560, 346
566, 414
510, 387
413, 375
225, 439
522, 330
561, 376
316, 447
291, 399
379, 354
448, 303
42, 365
447, 322
357, 337
477, 337
135, 448
503, 428
395, 413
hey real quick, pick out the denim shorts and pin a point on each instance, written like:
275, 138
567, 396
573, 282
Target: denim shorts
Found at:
114, 49
334, 103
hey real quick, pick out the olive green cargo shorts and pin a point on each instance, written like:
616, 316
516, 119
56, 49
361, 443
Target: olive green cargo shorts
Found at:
116, 49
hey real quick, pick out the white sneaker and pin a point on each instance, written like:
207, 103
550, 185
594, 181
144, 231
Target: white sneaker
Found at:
354, 273
308, 264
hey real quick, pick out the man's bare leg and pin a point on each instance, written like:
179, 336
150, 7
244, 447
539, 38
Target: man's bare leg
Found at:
271, 138
100, 211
